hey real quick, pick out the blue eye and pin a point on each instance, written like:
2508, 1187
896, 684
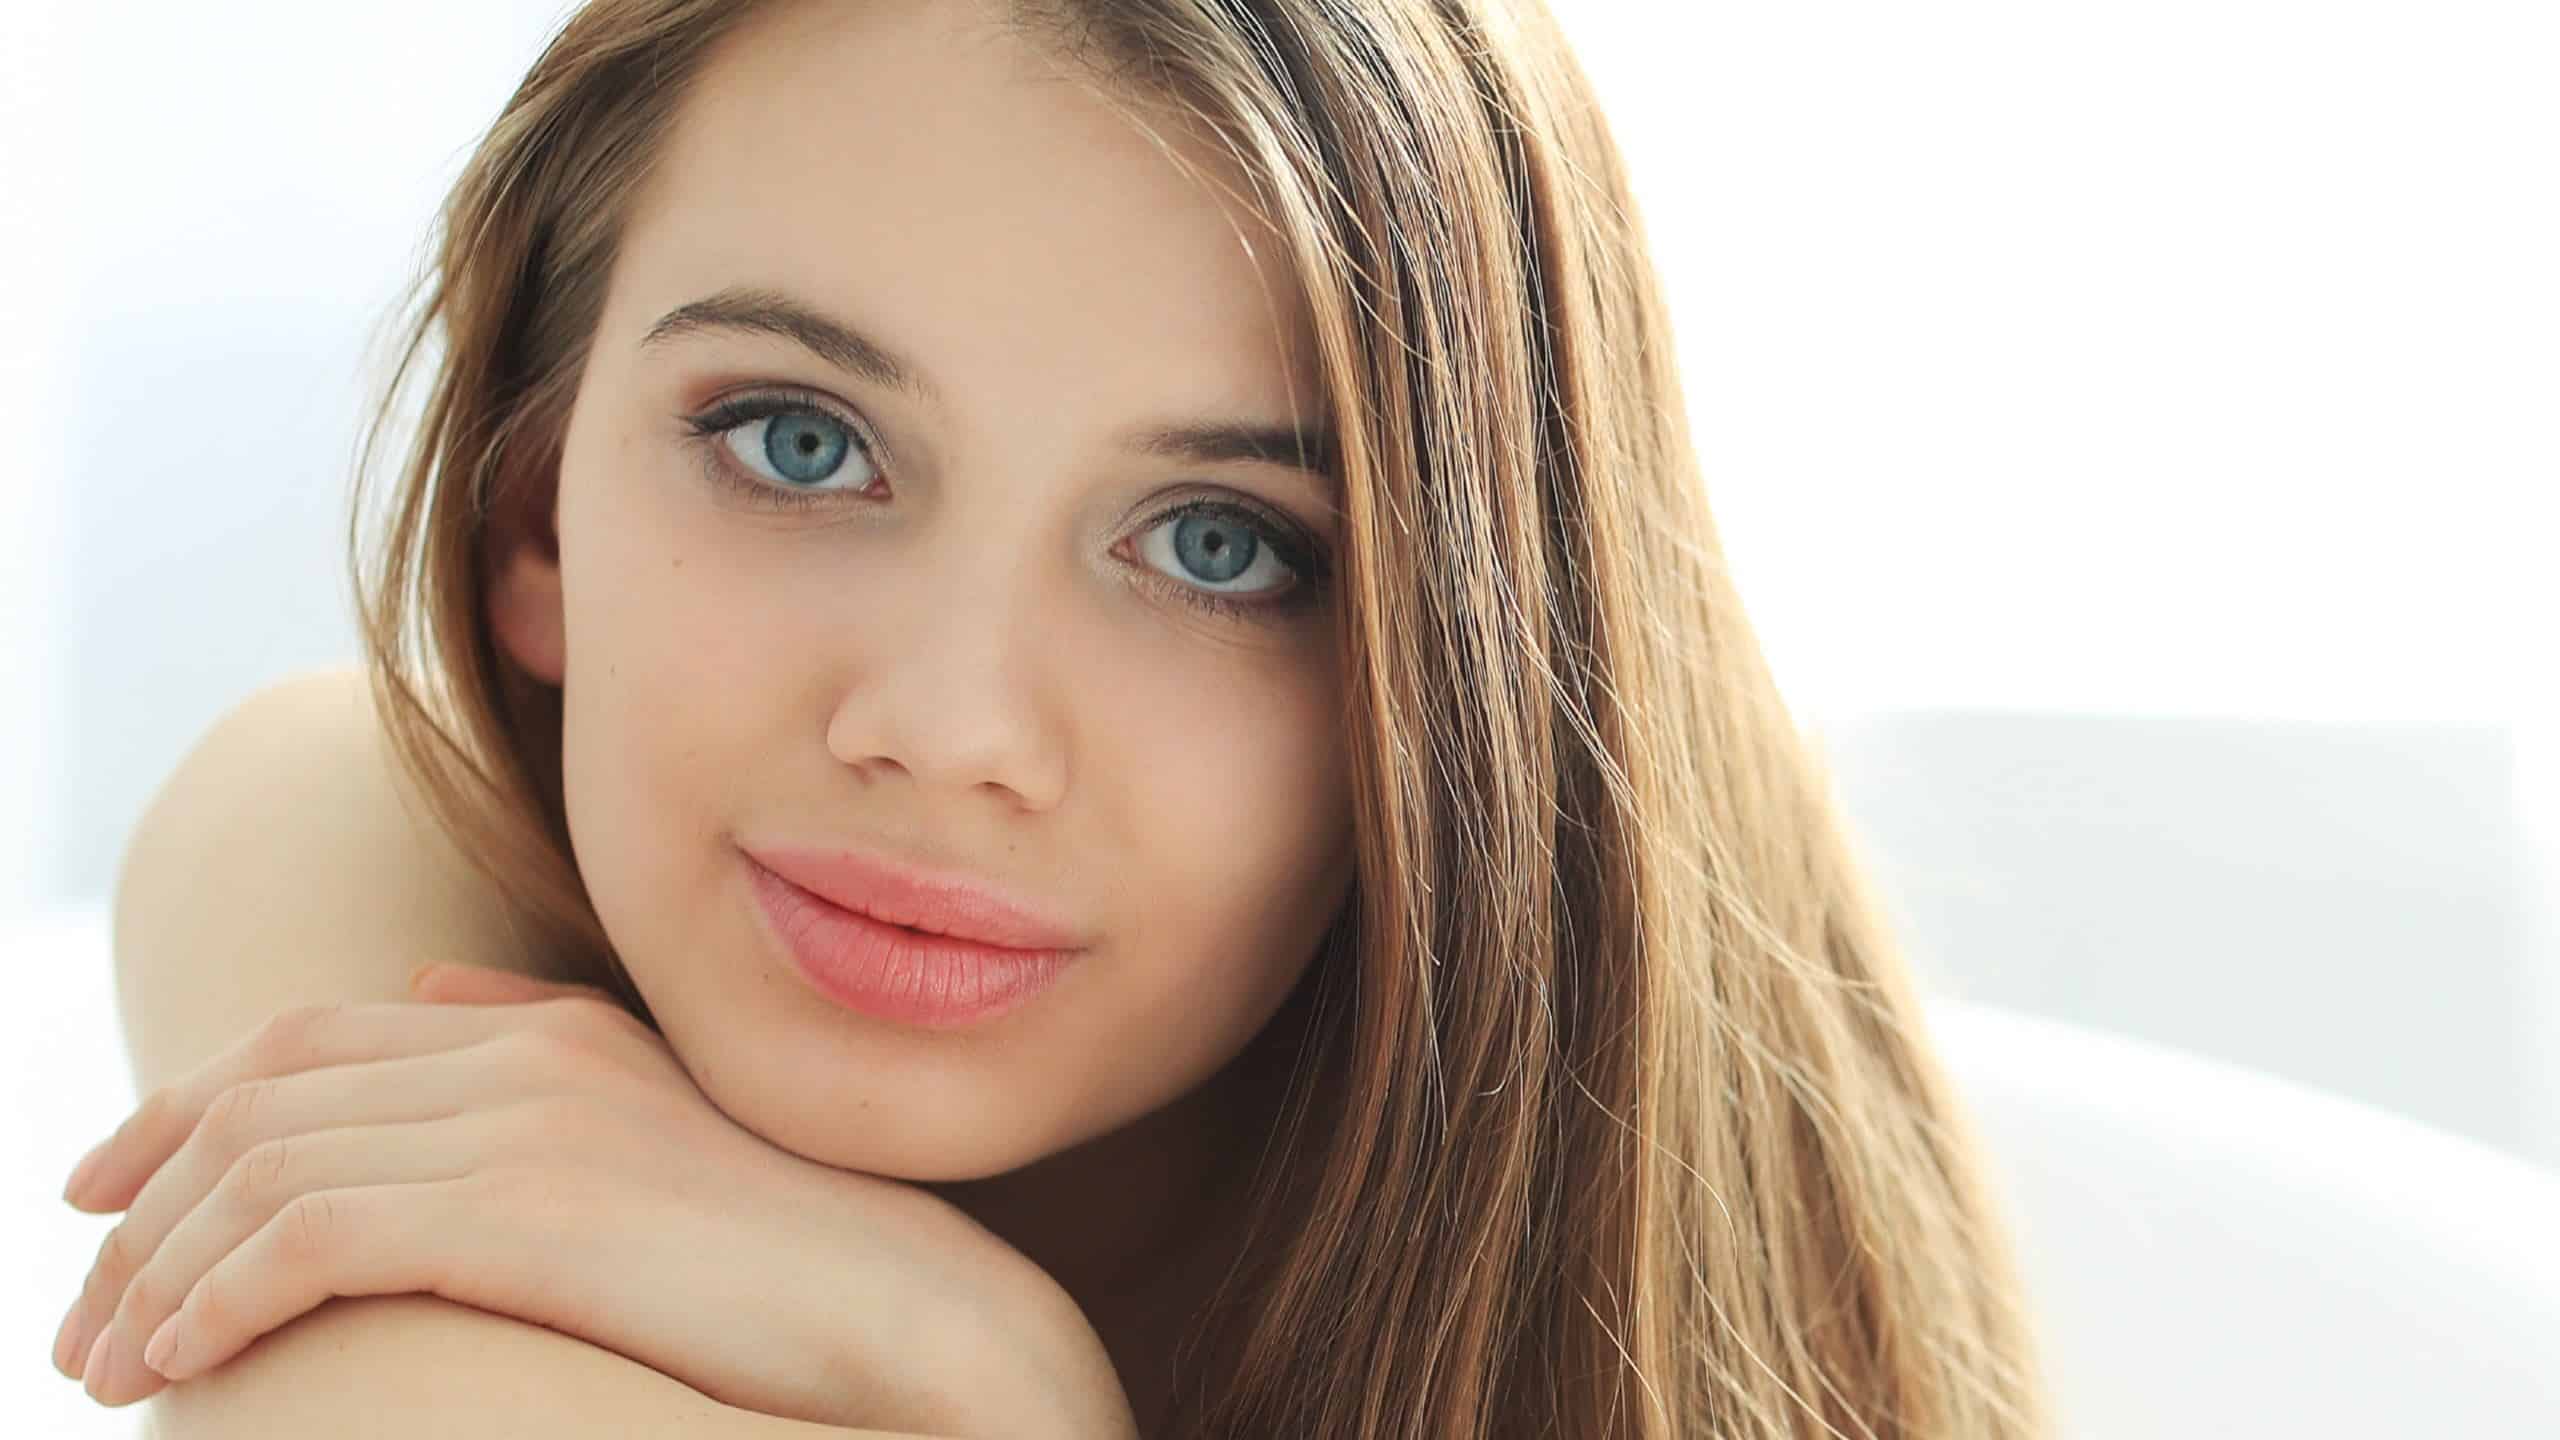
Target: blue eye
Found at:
804, 446
784, 452
1221, 541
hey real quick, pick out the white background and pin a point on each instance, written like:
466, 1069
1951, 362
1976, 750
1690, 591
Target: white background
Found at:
2132, 425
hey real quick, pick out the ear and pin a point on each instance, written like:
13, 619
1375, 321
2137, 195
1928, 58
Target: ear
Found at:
523, 579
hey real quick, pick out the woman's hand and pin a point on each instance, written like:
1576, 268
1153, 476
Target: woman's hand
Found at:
536, 1151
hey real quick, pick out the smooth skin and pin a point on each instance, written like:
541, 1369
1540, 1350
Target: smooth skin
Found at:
531, 1148
281, 866
976, 646
975, 640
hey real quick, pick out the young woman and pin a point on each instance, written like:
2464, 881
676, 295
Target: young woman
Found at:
1179, 512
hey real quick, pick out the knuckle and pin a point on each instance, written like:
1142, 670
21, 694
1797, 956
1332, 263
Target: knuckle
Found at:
208, 1308
312, 1224
115, 1255
234, 1112
535, 1042
541, 1196
553, 1050
263, 1169
528, 1052
587, 1022
149, 1296
288, 1034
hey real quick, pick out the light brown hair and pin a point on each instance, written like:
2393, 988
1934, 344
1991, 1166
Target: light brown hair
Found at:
1617, 1115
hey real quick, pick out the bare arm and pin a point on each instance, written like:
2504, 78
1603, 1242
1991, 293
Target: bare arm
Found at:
415, 1367
277, 867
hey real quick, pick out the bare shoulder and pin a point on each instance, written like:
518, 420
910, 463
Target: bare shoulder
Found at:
285, 862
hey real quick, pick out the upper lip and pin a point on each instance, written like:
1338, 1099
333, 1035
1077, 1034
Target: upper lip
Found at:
938, 902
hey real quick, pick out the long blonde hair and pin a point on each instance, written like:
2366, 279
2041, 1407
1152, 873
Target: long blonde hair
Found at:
1629, 1121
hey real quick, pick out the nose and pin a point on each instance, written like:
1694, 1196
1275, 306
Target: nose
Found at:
950, 687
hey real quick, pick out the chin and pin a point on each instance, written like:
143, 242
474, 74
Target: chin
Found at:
923, 1121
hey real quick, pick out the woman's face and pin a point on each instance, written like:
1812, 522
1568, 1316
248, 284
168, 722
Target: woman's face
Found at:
951, 623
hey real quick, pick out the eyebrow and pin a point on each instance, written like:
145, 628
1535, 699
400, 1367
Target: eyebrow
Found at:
749, 310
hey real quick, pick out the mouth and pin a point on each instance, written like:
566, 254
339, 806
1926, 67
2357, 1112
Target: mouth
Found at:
898, 973
948, 904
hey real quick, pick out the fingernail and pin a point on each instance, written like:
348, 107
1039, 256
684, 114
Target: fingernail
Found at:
163, 1346
83, 1173
420, 974
93, 1371
65, 1338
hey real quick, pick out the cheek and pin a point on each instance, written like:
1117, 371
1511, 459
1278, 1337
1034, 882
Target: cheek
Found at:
664, 647
1240, 809
670, 618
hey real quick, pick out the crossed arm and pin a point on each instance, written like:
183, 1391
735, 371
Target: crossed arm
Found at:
277, 867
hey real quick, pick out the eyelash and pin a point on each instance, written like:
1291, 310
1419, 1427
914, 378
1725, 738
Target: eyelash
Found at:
1305, 559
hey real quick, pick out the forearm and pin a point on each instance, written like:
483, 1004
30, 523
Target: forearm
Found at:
713, 1422
418, 1367
716, 1422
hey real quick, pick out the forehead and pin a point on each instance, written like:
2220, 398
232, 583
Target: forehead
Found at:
914, 165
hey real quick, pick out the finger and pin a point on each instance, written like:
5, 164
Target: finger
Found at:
267, 1179
305, 1038
362, 1240
481, 985
261, 1111
526, 1242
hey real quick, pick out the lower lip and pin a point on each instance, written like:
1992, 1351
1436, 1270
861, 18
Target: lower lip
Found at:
892, 973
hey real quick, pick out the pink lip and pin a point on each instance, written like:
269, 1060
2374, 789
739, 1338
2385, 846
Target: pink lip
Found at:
905, 976
938, 903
